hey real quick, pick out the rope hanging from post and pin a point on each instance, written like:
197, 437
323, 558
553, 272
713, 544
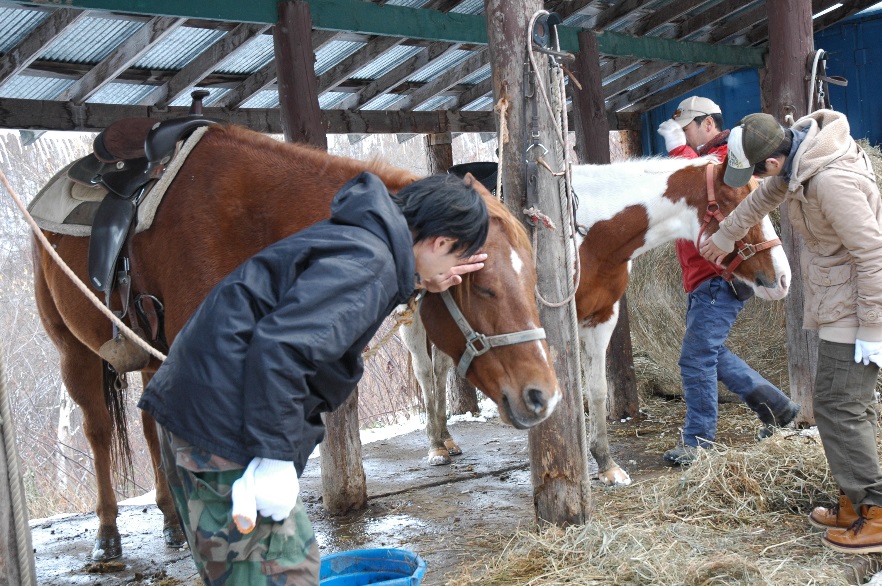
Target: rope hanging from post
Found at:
123, 328
558, 115
19, 508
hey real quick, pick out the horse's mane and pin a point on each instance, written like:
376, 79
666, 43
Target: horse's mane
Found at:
507, 221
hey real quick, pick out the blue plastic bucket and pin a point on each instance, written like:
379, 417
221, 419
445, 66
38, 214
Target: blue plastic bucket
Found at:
386, 567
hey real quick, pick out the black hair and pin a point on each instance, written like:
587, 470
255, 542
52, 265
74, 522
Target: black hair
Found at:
717, 118
444, 205
783, 149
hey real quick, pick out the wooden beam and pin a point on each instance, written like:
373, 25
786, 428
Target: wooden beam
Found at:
664, 15
19, 57
479, 90
733, 26
401, 72
845, 10
345, 68
122, 58
711, 17
202, 65
257, 81
402, 21
671, 76
664, 96
446, 80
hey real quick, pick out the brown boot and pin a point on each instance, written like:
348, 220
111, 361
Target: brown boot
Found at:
864, 536
839, 516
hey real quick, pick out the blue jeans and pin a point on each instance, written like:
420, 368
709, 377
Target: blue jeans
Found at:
711, 311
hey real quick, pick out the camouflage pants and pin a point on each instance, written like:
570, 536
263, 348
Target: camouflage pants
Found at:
273, 554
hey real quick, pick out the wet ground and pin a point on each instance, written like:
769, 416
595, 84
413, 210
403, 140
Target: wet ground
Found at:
448, 514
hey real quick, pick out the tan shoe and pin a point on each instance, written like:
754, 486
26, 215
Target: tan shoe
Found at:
839, 516
864, 536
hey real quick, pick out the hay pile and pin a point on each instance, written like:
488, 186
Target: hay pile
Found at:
736, 516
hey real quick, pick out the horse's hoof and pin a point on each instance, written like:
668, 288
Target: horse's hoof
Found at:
452, 448
107, 548
614, 477
174, 536
438, 457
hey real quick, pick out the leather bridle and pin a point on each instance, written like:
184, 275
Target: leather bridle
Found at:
476, 342
743, 250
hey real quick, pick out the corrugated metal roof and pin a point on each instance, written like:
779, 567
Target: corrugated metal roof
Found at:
250, 57
383, 101
479, 104
470, 7
478, 76
213, 94
329, 100
440, 65
178, 48
435, 103
409, 3
333, 53
121, 93
15, 25
34, 87
263, 99
386, 62
90, 40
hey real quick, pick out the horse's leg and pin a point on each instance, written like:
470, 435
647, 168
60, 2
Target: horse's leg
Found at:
414, 338
594, 343
441, 365
171, 524
81, 372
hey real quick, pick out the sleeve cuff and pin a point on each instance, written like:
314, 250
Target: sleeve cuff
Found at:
722, 242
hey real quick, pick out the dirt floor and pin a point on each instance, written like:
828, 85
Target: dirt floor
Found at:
450, 515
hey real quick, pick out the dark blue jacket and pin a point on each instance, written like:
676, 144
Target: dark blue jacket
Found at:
279, 340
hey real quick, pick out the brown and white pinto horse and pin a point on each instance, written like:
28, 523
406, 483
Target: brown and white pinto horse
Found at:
626, 209
238, 192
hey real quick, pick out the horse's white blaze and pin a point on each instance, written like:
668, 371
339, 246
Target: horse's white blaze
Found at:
782, 267
516, 263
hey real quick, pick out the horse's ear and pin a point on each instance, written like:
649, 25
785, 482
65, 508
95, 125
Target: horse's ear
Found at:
472, 182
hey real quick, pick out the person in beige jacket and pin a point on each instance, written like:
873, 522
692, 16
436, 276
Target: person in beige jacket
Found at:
834, 202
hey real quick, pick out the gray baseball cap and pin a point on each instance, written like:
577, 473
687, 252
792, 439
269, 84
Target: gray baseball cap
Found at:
754, 139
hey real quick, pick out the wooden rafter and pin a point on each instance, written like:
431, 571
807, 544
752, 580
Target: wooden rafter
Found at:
401, 72
345, 68
204, 64
479, 90
19, 57
446, 80
122, 58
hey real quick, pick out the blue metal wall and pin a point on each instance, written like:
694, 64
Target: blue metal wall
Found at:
851, 54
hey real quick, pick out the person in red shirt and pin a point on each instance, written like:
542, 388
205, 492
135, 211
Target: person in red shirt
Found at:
713, 304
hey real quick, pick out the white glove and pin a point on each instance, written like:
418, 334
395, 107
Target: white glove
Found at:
269, 487
868, 352
672, 133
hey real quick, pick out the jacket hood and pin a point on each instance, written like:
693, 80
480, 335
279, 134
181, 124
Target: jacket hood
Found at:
828, 138
365, 202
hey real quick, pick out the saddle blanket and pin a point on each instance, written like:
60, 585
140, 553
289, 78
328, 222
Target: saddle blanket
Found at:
66, 207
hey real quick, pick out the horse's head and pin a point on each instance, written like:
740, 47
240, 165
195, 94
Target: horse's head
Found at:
759, 258
516, 372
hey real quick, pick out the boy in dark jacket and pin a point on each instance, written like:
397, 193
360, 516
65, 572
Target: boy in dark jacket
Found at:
278, 342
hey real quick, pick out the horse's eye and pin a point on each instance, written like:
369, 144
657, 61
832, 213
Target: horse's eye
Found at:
483, 291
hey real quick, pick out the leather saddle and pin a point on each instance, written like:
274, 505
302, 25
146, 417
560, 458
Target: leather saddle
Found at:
127, 156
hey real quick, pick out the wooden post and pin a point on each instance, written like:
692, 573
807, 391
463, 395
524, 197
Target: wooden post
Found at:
784, 92
558, 446
298, 97
343, 481
344, 486
592, 144
463, 397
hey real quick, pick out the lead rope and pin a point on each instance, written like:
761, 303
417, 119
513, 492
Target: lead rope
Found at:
16, 494
565, 191
76, 280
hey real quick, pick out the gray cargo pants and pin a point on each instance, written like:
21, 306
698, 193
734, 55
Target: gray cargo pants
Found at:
846, 418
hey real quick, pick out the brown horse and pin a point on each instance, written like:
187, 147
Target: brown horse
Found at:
626, 209
238, 192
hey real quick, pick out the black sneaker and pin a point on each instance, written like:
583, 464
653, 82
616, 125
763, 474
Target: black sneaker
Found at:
781, 420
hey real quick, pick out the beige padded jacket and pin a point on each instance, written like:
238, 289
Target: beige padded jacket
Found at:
833, 201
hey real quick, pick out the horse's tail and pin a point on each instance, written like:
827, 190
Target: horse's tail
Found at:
115, 384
